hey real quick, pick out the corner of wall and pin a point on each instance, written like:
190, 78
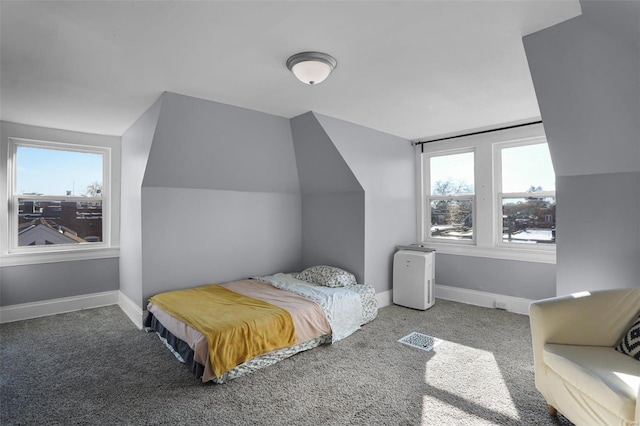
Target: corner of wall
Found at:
136, 145
332, 200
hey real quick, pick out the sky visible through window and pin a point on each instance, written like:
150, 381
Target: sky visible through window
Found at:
523, 167
455, 168
54, 172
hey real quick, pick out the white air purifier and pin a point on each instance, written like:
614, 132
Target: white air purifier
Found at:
414, 279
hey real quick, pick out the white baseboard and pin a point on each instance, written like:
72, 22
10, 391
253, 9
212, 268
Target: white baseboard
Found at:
517, 305
385, 298
133, 311
136, 314
45, 308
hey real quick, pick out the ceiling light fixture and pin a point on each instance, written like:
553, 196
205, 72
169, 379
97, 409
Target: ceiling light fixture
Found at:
311, 67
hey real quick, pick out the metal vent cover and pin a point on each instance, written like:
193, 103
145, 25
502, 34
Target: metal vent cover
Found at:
420, 341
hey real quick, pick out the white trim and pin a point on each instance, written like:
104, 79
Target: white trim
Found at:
500, 195
487, 223
24, 311
513, 252
384, 298
420, 216
424, 209
133, 311
109, 146
19, 259
45, 308
516, 305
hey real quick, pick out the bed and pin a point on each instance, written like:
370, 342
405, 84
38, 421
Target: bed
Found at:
222, 332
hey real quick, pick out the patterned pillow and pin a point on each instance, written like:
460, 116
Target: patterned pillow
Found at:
328, 276
630, 343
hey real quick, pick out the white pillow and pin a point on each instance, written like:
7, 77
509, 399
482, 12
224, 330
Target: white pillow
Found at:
328, 276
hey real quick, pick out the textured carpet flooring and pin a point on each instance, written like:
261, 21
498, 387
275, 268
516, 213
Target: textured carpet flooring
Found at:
95, 367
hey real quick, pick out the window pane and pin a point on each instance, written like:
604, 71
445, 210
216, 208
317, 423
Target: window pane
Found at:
529, 220
59, 222
452, 174
452, 219
527, 169
43, 171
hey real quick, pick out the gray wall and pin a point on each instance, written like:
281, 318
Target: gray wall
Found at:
333, 231
208, 145
220, 197
194, 236
385, 167
588, 90
586, 80
333, 211
528, 280
603, 247
359, 201
136, 144
38, 282
227, 194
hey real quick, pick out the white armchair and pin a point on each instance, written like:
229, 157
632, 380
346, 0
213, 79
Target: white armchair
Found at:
577, 369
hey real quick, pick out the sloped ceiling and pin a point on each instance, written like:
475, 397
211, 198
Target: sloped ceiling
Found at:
413, 69
208, 145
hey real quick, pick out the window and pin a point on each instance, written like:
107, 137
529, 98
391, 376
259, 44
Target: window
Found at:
58, 196
451, 198
491, 195
526, 198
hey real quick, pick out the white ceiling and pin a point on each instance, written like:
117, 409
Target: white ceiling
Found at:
414, 69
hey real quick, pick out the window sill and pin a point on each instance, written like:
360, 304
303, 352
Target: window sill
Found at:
506, 253
20, 259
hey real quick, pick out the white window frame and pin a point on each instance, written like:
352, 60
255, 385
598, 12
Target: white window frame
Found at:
486, 187
428, 197
11, 254
500, 195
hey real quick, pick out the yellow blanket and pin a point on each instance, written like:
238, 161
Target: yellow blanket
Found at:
238, 328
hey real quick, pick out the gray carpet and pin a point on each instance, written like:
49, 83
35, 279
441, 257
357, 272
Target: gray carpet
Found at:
95, 367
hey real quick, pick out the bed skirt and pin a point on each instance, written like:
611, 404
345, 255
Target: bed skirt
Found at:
184, 353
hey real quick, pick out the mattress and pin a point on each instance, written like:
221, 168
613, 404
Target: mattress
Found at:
312, 308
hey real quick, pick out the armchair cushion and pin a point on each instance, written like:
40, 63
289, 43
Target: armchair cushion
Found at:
577, 369
608, 377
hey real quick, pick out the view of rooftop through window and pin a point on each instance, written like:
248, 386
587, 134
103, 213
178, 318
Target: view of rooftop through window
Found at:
48, 184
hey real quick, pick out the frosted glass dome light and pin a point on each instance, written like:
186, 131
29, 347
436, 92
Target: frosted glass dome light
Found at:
311, 67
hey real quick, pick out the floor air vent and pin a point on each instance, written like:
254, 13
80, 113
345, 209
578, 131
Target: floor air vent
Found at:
420, 341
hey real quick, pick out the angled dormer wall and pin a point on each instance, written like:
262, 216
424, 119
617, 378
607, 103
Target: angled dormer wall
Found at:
219, 200
586, 77
385, 167
333, 211
215, 192
358, 189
